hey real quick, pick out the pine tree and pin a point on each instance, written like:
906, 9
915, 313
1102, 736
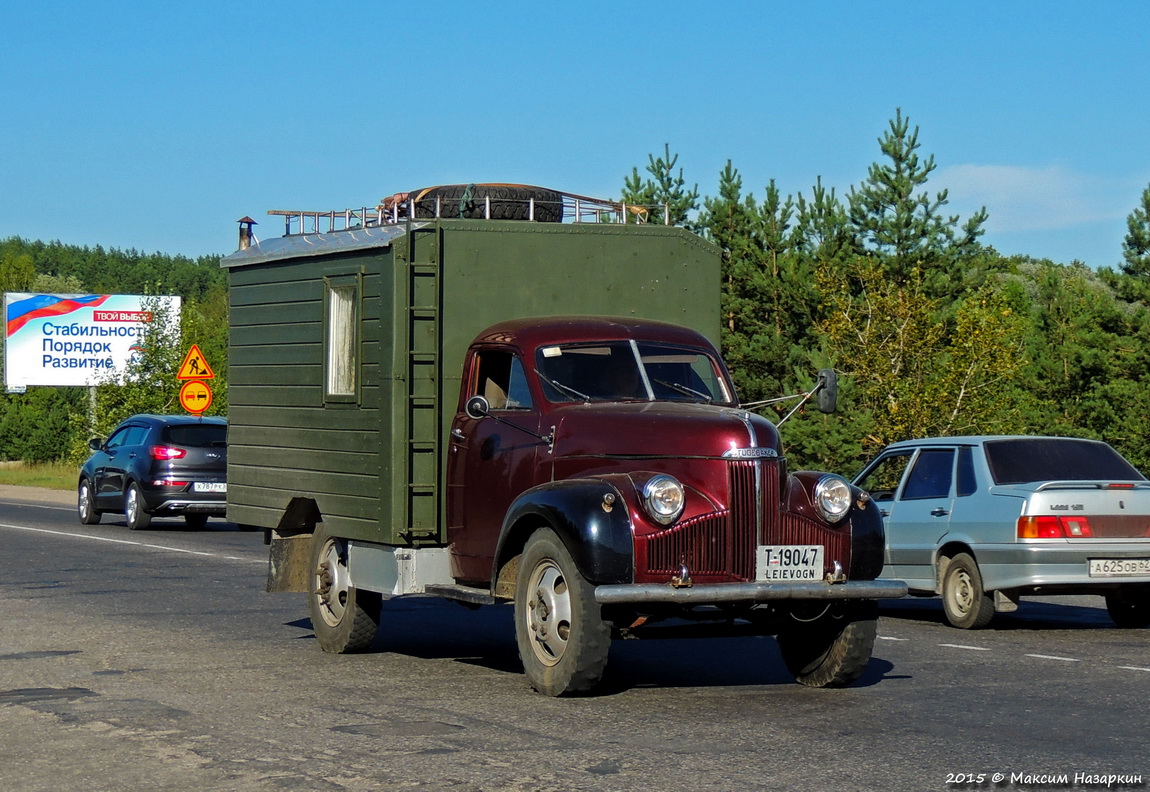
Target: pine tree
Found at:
900, 224
1136, 245
666, 197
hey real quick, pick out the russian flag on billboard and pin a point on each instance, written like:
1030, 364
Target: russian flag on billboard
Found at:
37, 306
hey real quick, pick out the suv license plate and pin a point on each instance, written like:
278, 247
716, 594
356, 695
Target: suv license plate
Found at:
1119, 567
209, 486
790, 562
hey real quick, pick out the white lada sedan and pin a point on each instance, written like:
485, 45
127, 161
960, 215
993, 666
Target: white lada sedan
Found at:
982, 521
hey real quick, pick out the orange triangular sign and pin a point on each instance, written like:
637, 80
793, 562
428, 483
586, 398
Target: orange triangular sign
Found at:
194, 366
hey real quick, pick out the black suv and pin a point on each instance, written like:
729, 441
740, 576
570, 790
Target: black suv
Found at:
157, 465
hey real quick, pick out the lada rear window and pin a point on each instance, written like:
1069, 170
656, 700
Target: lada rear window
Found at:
1029, 459
628, 371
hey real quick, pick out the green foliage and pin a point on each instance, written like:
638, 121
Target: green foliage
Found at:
1136, 245
902, 226
666, 197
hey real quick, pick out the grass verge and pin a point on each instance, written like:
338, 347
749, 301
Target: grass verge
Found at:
53, 475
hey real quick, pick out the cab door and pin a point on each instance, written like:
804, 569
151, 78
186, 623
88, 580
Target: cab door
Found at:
491, 461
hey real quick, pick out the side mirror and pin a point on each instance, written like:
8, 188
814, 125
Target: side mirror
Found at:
477, 407
96, 444
827, 397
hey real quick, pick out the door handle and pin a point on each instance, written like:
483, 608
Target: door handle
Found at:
939, 512
884, 512
457, 434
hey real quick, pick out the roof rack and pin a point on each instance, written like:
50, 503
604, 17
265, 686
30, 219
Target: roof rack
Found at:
399, 207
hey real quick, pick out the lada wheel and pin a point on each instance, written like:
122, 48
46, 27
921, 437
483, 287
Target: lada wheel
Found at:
834, 649
1129, 606
85, 504
964, 602
344, 619
135, 514
563, 640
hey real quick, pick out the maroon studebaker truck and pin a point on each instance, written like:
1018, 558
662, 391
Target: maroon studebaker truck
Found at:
603, 478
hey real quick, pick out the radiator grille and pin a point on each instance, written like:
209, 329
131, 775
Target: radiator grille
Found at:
723, 543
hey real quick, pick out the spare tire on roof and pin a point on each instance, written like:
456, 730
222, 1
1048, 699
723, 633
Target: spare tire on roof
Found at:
507, 202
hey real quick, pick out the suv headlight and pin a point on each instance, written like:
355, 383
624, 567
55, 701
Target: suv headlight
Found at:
833, 497
663, 499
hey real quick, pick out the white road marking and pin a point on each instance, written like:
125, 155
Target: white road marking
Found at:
1055, 657
39, 506
1134, 668
891, 638
963, 646
165, 548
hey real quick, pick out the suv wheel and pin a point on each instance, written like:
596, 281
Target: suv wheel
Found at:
135, 513
85, 505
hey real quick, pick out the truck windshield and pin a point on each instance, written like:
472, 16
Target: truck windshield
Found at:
629, 371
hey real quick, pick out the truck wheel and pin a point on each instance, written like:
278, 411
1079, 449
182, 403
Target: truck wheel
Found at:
833, 650
964, 603
344, 619
508, 202
563, 640
135, 513
1129, 606
85, 504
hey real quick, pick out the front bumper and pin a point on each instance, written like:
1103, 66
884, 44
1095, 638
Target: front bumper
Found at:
723, 593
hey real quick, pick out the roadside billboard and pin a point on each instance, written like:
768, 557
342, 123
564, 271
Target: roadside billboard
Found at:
77, 339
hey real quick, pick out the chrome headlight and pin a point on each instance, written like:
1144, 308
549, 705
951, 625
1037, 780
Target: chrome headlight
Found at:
833, 497
663, 499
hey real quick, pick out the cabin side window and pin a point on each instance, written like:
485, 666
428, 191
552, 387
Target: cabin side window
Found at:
341, 336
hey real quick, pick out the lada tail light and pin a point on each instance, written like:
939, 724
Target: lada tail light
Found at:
164, 453
1050, 526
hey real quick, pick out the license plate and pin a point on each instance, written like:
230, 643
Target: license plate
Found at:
209, 486
790, 562
1119, 567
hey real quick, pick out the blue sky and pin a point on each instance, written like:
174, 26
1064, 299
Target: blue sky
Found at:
157, 126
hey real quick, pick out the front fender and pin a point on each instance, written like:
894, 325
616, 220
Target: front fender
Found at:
595, 531
868, 539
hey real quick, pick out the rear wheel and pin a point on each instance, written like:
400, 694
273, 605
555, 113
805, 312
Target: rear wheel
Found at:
135, 512
85, 504
563, 640
964, 602
344, 618
1129, 606
834, 649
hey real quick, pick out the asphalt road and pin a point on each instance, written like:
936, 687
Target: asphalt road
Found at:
151, 660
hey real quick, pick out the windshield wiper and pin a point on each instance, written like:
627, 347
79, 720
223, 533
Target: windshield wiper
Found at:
561, 387
683, 389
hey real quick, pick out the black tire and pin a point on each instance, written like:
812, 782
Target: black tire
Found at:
833, 650
964, 602
344, 618
135, 510
196, 522
563, 640
508, 202
86, 503
1129, 606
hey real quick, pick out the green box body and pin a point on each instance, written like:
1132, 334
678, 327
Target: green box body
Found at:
373, 465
